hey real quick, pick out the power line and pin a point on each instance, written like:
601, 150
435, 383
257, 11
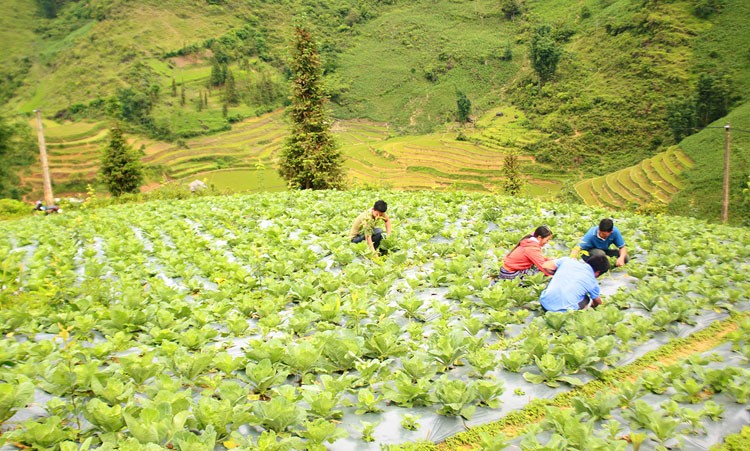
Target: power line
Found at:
719, 126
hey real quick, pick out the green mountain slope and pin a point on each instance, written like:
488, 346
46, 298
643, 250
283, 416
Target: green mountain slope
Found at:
397, 62
702, 196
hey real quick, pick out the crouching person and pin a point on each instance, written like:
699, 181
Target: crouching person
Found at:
574, 285
598, 240
364, 228
526, 258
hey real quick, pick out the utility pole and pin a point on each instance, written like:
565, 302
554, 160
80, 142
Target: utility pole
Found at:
725, 194
49, 198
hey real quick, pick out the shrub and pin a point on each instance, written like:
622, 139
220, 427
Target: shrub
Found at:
11, 208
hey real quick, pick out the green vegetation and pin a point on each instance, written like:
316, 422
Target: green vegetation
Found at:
654, 180
735, 442
255, 311
702, 195
11, 209
309, 158
16, 150
374, 157
512, 183
238, 180
629, 79
121, 167
545, 53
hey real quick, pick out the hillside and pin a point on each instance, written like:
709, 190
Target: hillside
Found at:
687, 179
250, 321
623, 63
702, 196
243, 158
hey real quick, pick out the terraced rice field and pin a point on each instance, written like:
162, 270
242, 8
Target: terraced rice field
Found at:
656, 178
373, 156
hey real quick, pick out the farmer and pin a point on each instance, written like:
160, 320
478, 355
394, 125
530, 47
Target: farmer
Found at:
364, 226
47, 209
526, 258
598, 240
574, 285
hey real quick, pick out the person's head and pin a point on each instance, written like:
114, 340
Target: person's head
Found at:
599, 263
605, 227
543, 234
379, 208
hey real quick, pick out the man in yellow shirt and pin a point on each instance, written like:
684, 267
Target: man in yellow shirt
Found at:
364, 226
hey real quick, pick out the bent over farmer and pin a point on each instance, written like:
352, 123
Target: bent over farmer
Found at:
598, 240
364, 228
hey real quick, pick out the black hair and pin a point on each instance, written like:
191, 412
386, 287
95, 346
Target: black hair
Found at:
606, 225
599, 263
380, 206
540, 232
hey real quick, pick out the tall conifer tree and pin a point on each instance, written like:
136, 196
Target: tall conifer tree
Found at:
513, 182
310, 158
121, 169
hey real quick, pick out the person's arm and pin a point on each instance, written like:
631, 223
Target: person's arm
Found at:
549, 267
537, 258
370, 244
620, 243
594, 292
354, 231
623, 255
584, 243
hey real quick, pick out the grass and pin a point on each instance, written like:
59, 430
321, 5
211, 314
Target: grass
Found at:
654, 186
664, 171
637, 193
608, 96
244, 180
17, 20
598, 186
659, 177
75, 133
585, 190
703, 182
458, 49
372, 155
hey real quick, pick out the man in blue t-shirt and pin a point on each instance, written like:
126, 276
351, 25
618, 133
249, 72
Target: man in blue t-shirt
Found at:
598, 240
574, 285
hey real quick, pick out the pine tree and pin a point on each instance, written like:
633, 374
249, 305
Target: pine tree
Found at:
121, 169
231, 96
512, 183
218, 73
310, 158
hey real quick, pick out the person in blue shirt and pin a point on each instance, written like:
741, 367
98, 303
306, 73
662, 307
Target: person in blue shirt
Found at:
598, 241
574, 285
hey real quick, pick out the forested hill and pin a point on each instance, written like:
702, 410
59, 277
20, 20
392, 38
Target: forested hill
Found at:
612, 71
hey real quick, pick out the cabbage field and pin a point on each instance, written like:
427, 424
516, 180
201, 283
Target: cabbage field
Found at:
250, 322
